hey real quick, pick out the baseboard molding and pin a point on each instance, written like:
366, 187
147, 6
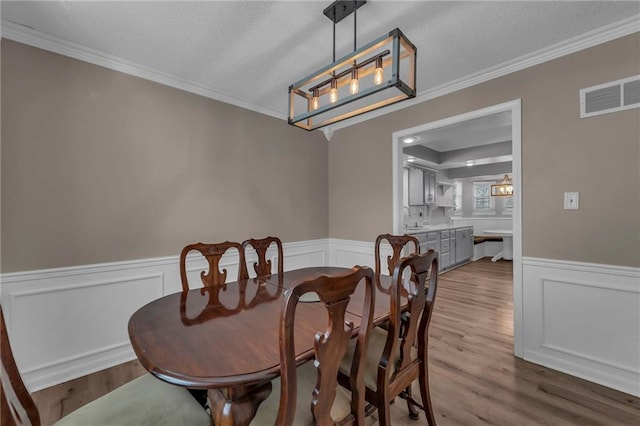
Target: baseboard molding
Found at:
93, 303
584, 319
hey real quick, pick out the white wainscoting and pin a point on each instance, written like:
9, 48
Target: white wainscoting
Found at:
65, 323
584, 319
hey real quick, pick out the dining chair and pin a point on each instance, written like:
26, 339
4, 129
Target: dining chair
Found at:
398, 243
263, 266
143, 401
309, 394
212, 253
398, 356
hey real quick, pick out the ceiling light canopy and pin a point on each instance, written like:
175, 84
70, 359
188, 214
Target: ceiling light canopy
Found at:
504, 188
380, 73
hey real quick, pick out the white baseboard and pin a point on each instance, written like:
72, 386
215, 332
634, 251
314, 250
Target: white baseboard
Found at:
584, 319
65, 323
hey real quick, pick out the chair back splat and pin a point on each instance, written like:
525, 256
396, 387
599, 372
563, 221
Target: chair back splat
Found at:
263, 266
212, 253
398, 243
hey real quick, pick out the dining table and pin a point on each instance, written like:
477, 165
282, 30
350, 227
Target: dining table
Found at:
226, 339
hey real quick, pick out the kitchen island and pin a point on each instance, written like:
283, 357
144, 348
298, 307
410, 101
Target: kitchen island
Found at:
454, 244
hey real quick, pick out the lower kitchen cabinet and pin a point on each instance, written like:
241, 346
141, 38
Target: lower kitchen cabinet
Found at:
454, 246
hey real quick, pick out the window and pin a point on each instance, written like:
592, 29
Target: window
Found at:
457, 196
508, 203
482, 200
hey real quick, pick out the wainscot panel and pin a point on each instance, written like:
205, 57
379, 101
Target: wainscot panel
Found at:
69, 322
584, 319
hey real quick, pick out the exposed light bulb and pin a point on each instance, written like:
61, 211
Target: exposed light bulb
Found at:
354, 86
333, 92
378, 74
315, 101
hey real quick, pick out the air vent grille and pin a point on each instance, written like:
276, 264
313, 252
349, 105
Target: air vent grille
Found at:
631, 92
610, 97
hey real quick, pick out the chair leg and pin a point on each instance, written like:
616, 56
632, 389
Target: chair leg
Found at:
426, 397
384, 411
413, 411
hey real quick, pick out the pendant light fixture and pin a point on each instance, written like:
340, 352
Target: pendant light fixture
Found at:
354, 84
504, 188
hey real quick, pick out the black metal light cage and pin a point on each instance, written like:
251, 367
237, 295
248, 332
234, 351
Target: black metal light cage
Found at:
503, 188
393, 52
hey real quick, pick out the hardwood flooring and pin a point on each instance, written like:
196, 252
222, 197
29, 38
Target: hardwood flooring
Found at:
475, 379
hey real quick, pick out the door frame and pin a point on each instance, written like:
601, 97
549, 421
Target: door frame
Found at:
516, 146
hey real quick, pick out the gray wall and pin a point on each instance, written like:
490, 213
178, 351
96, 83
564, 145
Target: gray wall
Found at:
560, 152
100, 166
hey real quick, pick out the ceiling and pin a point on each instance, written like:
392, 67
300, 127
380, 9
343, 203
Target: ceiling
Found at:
475, 142
248, 53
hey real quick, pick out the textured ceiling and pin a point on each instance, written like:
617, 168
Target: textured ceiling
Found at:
250, 52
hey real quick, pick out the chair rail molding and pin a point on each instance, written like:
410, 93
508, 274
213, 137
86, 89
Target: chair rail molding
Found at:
68, 322
584, 319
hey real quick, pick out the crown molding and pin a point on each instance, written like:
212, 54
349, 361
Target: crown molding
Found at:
598, 36
589, 39
40, 40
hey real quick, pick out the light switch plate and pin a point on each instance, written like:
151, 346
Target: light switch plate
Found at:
571, 200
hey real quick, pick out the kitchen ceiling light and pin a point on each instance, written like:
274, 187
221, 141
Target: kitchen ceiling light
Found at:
409, 139
354, 84
504, 188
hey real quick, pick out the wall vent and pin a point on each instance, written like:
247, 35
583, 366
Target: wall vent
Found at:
610, 97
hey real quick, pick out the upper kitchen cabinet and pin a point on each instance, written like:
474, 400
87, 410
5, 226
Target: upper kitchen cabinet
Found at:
429, 186
422, 186
416, 187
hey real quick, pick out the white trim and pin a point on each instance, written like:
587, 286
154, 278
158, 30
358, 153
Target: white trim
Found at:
38, 39
589, 325
516, 146
593, 268
620, 83
592, 38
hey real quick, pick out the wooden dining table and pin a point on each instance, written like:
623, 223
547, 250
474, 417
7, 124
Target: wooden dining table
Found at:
226, 339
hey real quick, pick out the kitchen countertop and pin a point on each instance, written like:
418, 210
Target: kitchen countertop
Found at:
431, 228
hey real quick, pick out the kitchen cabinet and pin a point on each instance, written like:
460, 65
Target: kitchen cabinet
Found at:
445, 250
416, 187
463, 236
454, 245
429, 186
422, 186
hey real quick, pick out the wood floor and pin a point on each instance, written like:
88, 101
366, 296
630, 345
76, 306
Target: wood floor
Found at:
475, 380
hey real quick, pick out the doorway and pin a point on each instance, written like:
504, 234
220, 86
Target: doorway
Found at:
511, 109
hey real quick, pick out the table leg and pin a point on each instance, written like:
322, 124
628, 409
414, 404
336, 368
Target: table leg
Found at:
507, 248
237, 406
496, 257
